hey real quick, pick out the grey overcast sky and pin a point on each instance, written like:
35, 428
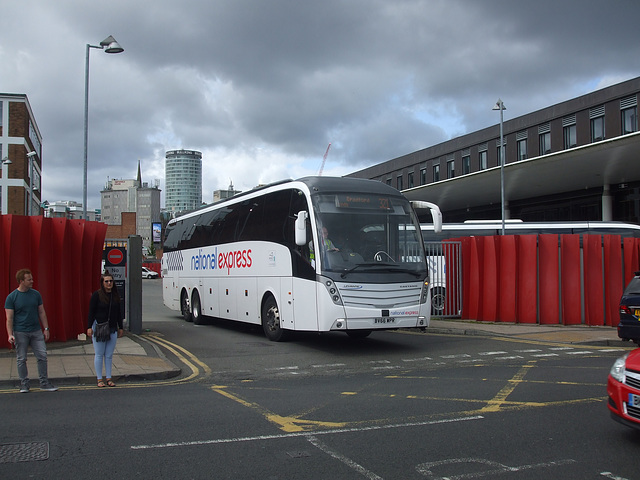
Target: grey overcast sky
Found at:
261, 87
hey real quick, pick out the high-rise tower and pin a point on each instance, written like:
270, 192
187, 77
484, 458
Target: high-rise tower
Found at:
183, 180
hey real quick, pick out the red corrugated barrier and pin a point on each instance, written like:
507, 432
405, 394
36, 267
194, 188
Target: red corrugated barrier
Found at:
489, 283
527, 279
64, 257
613, 286
548, 280
593, 280
508, 273
570, 283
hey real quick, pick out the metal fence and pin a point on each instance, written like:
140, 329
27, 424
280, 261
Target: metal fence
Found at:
444, 260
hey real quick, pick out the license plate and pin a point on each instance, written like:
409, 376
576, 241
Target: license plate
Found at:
634, 400
384, 320
636, 312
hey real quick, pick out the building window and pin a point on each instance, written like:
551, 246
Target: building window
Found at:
410, 180
596, 115
482, 160
521, 145
545, 143
451, 169
423, 176
629, 120
466, 164
570, 139
597, 129
389, 181
436, 173
399, 182
522, 149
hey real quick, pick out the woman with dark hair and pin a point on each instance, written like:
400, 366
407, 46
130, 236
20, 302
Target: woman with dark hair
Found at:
105, 306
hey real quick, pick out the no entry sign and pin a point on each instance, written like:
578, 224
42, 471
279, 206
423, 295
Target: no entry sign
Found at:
115, 256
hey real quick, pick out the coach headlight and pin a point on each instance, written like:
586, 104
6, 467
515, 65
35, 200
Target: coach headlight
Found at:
332, 290
425, 292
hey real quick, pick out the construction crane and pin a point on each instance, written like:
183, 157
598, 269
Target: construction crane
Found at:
324, 160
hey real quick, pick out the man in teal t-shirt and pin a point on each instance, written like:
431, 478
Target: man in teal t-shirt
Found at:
25, 314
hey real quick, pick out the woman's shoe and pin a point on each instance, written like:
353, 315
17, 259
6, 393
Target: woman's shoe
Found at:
101, 384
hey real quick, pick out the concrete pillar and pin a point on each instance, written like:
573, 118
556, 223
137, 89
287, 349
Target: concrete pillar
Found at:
607, 204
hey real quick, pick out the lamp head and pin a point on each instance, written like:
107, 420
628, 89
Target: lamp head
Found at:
31, 154
111, 45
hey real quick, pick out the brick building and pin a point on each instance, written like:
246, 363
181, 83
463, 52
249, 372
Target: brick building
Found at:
21, 154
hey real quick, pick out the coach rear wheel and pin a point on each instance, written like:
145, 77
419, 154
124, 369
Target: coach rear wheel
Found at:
271, 321
184, 306
196, 309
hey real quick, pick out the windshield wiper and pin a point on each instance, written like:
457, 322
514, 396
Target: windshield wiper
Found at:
379, 267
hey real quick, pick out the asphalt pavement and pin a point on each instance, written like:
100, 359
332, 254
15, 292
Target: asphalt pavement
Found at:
139, 359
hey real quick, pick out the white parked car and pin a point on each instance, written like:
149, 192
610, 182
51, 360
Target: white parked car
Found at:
146, 273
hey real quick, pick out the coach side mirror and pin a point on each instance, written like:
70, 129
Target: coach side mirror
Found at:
436, 214
301, 228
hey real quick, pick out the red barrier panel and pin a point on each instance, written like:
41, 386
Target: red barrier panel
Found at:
613, 286
571, 283
64, 256
631, 258
548, 279
489, 312
471, 291
593, 279
508, 262
527, 279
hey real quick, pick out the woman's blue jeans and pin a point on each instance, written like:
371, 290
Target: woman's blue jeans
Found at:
104, 353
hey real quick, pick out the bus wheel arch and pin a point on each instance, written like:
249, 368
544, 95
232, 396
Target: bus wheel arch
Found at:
270, 319
185, 305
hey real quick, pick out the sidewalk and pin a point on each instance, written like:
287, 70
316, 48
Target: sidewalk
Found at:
71, 363
135, 358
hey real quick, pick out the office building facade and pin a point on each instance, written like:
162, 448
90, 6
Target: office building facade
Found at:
21, 154
577, 160
183, 180
121, 196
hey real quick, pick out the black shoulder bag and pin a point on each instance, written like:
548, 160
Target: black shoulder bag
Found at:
102, 333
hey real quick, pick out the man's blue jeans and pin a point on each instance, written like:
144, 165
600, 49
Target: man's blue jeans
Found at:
36, 340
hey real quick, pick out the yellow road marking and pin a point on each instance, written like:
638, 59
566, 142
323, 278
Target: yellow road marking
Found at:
289, 424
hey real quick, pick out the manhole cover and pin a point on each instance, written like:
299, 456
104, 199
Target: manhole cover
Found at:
24, 452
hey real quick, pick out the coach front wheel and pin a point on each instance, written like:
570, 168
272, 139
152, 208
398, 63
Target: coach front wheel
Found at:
271, 321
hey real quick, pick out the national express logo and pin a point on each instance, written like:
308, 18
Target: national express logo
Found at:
222, 260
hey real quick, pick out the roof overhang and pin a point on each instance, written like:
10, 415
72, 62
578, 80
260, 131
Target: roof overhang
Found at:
609, 162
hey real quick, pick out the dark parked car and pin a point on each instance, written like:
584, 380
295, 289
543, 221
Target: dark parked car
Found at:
629, 326
623, 388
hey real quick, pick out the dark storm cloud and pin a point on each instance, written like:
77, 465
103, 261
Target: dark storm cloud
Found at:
261, 87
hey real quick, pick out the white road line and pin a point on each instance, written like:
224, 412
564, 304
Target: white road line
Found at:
493, 353
347, 461
305, 434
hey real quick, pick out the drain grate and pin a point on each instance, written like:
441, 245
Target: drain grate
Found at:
24, 452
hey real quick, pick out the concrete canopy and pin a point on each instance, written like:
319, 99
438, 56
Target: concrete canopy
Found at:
609, 162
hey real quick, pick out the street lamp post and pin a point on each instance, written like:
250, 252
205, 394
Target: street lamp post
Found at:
111, 47
500, 106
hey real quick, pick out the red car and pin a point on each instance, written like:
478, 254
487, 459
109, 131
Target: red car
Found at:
623, 388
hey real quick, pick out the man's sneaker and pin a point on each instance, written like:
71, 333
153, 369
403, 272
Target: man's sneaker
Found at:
48, 388
24, 388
